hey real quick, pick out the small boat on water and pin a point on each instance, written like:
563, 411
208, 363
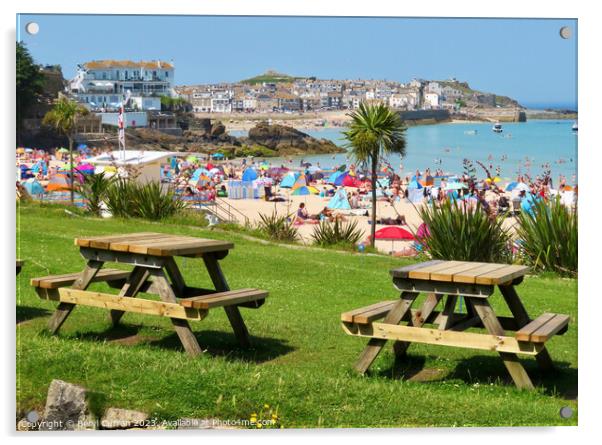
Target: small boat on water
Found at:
497, 128
575, 126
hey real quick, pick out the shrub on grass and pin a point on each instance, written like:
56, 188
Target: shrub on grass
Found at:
94, 190
457, 231
548, 237
129, 199
277, 227
337, 233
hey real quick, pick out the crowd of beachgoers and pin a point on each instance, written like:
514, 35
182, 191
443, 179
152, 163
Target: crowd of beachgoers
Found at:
309, 193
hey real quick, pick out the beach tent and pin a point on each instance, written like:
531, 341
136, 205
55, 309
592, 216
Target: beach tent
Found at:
313, 169
249, 175
415, 192
300, 181
305, 190
197, 174
511, 186
85, 168
59, 182
333, 177
33, 187
339, 201
351, 181
289, 180
217, 156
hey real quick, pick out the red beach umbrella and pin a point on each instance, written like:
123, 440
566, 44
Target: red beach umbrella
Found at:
393, 233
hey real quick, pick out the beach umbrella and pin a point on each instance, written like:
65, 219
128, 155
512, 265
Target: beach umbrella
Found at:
393, 233
192, 159
217, 156
277, 171
305, 190
495, 179
29, 150
85, 168
300, 181
214, 171
314, 169
20, 150
414, 184
249, 175
63, 150
423, 231
511, 186
197, 174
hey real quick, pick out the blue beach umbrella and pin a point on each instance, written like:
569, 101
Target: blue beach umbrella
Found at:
198, 172
218, 156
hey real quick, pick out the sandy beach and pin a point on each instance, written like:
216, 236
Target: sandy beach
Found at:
252, 208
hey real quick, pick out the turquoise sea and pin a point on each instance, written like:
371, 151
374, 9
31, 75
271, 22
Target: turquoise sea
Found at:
526, 147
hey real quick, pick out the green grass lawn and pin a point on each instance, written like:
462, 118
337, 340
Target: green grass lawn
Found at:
301, 361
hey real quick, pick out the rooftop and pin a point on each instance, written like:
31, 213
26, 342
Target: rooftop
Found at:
104, 64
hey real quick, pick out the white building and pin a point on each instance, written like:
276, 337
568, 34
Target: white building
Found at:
147, 164
103, 83
431, 100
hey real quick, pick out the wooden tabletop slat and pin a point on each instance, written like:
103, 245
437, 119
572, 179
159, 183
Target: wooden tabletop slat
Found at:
449, 273
156, 244
470, 276
143, 246
424, 273
502, 275
105, 240
403, 272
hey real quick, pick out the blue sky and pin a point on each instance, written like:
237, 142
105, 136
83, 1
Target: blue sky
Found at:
522, 58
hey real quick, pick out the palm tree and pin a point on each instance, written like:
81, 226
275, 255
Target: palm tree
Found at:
63, 117
375, 131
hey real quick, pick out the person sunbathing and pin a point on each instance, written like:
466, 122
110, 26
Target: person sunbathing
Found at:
400, 220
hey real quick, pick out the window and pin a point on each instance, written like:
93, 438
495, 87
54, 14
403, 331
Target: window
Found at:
126, 75
166, 74
104, 75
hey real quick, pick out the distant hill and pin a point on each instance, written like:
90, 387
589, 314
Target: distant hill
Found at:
482, 97
271, 77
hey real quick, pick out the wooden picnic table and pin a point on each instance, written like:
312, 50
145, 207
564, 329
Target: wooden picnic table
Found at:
155, 271
445, 282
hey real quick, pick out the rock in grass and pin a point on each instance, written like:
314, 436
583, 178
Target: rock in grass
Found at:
66, 408
117, 418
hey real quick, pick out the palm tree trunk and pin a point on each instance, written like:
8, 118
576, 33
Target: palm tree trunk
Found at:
71, 175
373, 216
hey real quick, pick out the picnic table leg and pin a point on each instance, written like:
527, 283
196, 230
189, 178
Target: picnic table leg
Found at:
182, 328
130, 289
175, 275
492, 324
375, 345
81, 283
522, 318
233, 313
430, 303
447, 315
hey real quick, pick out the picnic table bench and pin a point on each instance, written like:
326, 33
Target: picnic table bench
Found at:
155, 271
445, 282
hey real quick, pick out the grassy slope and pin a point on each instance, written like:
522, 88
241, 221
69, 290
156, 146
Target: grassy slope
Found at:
301, 361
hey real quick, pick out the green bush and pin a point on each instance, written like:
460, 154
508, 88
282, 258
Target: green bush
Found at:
548, 237
94, 190
256, 151
464, 233
277, 227
129, 199
337, 233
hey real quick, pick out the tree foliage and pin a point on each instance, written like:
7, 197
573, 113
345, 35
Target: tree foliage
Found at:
30, 82
375, 131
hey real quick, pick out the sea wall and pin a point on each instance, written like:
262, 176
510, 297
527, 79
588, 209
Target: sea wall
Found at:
416, 117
